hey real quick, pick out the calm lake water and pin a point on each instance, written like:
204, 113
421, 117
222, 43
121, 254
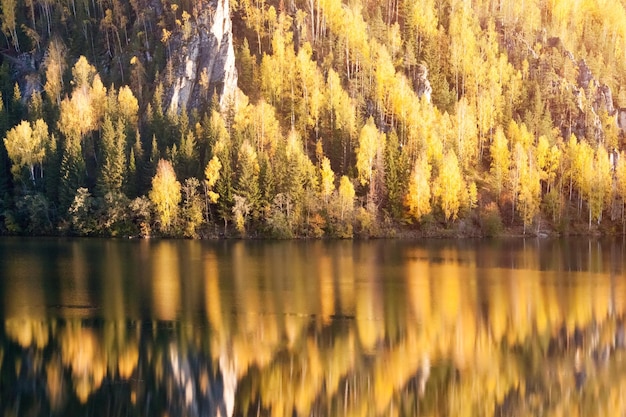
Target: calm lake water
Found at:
381, 328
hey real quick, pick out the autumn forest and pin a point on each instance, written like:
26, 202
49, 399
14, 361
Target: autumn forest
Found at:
312, 118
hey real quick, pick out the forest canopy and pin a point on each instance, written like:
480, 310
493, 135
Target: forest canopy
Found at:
350, 118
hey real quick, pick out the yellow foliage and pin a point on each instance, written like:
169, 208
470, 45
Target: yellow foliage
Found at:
165, 195
529, 188
212, 175
370, 142
328, 179
346, 196
448, 186
418, 196
83, 73
620, 177
26, 145
128, 105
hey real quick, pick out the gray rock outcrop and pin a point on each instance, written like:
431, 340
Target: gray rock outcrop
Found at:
621, 118
591, 96
421, 85
600, 94
203, 62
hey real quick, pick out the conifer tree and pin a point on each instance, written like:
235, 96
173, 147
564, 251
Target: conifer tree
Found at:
72, 172
500, 160
248, 178
395, 168
113, 165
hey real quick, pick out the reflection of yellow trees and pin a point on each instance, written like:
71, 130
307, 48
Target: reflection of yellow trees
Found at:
87, 354
166, 281
213, 299
327, 292
92, 355
54, 384
418, 289
127, 361
369, 312
330, 330
28, 332
82, 353
457, 311
445, 311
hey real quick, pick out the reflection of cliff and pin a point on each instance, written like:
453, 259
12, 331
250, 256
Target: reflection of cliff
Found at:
158, 368
194, 387
110, 369
332, 329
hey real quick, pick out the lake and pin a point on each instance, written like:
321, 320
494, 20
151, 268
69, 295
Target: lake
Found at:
522, 327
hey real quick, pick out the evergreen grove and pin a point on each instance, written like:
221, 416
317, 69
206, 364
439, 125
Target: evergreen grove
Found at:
357, 118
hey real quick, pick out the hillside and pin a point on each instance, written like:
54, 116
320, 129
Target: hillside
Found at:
312, 118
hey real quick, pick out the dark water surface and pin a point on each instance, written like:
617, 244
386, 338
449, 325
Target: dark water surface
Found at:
379, 328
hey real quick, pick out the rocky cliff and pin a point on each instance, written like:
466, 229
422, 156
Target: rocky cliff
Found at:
421, 84
573, 93
203, 62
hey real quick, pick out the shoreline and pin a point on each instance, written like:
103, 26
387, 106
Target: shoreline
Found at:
399, 233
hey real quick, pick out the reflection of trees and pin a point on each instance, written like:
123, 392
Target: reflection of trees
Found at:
470, 326
328, 329
103, 368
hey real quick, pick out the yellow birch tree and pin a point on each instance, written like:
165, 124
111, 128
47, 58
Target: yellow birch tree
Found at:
165, 195
449, 186
328, 180
26, 146
418, 196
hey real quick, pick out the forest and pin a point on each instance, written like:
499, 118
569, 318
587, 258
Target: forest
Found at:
355, 118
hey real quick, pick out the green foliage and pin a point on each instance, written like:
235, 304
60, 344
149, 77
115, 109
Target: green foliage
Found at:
113, 217
247, 185
82, 213
395, 168
34, 210
141, 212
113, 165
491, 221
72, 172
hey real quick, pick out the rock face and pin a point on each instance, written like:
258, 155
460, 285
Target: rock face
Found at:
203, 57
601, 95
421, 84
589, 95
621, 118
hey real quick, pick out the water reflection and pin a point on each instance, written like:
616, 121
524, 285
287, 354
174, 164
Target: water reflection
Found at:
321, 328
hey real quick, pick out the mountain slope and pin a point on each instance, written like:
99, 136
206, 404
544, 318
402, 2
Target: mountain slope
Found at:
435, 117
